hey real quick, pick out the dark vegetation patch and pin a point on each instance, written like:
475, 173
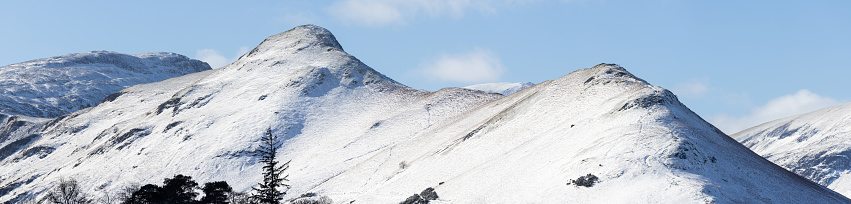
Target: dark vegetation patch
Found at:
176, 105
41, 151
235, 154
375, 125
586, 181
657, 98
125, 138
835, 162
424, 197
13, 147
312, 198
112, 97
171, 103
688, 156
472, 133
12, 186
11, 125
53, 122
616, 74
589, 80
135, 133
171, 125
106, 132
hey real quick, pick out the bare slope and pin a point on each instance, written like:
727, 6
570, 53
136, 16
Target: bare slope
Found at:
814, 145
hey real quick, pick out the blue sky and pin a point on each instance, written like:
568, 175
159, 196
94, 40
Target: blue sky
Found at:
736, 63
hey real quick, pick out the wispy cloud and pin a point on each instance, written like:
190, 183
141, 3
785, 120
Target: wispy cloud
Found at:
212, 57
394, 12
241, 51
800, 102
693, 88
479, 65
216, 59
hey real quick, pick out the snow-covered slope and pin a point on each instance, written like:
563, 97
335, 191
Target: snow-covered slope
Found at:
300, 83
643, 144
55, 86
815, 145
357, 136
504, 88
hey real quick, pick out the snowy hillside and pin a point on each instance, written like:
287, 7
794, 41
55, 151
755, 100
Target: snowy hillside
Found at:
504, 88
643, 144
814, 145
56, 86
359, 137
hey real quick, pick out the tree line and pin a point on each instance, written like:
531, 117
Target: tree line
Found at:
181, 189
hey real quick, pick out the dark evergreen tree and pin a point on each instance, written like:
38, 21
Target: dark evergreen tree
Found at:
149, 193
216, 192
177, 190
180, 189
268, 192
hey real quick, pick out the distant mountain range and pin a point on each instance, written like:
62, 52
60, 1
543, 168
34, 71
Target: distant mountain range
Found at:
504, 88
815, 145
356, 136
55, 86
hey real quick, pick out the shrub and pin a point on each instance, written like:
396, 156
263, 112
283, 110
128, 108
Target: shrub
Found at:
67, 192
311, 200
587, 180
423, 198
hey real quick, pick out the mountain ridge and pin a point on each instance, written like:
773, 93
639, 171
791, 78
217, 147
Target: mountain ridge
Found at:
504, 88
505, 139
50, 87
809, 144
355, 135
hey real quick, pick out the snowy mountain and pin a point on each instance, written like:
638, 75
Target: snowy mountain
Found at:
814, 145
359, 137
56, 86
504, 88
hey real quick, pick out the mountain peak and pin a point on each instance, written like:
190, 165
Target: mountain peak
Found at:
308, 56
608, 73
298, 39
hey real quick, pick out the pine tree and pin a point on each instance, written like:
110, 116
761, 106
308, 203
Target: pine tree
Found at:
268, 192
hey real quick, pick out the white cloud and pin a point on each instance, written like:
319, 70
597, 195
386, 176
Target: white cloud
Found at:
479, 65
242, 50
800, 102
212, 57
389, 12
216, 59
693, 88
